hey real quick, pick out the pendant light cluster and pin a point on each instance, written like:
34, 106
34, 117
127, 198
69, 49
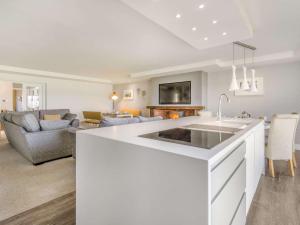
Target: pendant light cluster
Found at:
234, 86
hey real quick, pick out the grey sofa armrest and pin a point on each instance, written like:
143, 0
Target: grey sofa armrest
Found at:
16, 137
75, 123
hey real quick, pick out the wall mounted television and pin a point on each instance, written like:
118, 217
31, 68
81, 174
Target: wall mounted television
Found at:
175, 93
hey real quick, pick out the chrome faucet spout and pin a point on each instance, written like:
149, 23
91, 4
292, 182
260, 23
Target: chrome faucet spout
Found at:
219, 115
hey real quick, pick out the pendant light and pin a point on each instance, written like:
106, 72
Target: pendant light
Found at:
245, 85
234, 84
253, 80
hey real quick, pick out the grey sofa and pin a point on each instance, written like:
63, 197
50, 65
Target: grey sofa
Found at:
37, 142
108, 122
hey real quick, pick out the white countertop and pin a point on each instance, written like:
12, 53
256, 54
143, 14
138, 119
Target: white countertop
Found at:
130, 134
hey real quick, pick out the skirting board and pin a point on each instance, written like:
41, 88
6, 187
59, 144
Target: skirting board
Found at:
297, 146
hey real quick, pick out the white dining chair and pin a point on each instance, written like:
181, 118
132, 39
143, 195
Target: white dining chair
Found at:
281, 140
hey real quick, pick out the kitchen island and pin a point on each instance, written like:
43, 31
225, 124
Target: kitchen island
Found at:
190, 171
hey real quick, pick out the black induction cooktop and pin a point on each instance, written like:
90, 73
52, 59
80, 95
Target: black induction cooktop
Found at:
197, 138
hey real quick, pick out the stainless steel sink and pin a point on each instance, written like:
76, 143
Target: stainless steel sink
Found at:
215, 128
230, 123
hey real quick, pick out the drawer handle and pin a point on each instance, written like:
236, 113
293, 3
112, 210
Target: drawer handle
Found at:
221, 189
237, 209
227, 156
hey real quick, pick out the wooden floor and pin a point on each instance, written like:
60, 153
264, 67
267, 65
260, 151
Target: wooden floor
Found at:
60, 211
276, 202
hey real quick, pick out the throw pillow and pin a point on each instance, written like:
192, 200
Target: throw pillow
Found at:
52, 117
69, 116
54, 124
28, 121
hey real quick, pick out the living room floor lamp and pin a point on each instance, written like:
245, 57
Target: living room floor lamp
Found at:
114, 98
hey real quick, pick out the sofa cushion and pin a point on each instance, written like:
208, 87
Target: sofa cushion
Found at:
54, 124
61, 112
149, 119
26, 120
107, 121
69, 116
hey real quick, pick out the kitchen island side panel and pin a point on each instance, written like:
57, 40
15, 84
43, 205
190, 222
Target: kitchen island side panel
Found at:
119, 183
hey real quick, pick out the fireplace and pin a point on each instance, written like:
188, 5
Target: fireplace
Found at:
174, 115
174, 112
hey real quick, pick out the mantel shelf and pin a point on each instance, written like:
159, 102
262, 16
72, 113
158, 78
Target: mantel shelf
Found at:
168, 107
166, 111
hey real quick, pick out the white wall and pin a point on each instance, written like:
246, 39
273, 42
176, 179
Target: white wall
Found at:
198, 92
138, 101
6, 94
281, 87
75, 95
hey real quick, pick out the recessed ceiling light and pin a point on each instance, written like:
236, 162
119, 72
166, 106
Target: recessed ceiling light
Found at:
194, 28
215, 21
224, 33
205, 39
201, 6
178, 16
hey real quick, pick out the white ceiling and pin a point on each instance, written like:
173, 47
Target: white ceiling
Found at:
107, 39
198, 22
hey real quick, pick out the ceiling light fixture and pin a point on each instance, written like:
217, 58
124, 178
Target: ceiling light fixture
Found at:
201, 6
224, 33
178, 16
234, 84
253, 80
205, 39
245, 84
215, 21
194, 28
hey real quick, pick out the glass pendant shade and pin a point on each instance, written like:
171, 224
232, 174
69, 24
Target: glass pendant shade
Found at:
234, 85
245, 85
253, 82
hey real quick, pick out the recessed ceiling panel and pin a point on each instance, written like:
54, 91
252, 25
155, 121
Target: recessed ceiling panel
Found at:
200, 23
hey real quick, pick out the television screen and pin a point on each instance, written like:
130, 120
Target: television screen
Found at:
175, 93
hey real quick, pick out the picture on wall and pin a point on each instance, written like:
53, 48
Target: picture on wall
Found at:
259, 85
128, 94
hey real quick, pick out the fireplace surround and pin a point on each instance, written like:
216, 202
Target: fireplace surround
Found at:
174, 112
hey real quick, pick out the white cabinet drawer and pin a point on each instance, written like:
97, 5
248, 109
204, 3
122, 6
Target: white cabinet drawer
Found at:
240, 216
226, 202
223, 171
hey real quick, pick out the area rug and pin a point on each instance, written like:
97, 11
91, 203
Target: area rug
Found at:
24, 186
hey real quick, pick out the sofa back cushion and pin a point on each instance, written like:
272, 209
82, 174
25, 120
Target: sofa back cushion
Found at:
149, 119
61, 112
54, 124
8, 117
26, 120
107, 122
